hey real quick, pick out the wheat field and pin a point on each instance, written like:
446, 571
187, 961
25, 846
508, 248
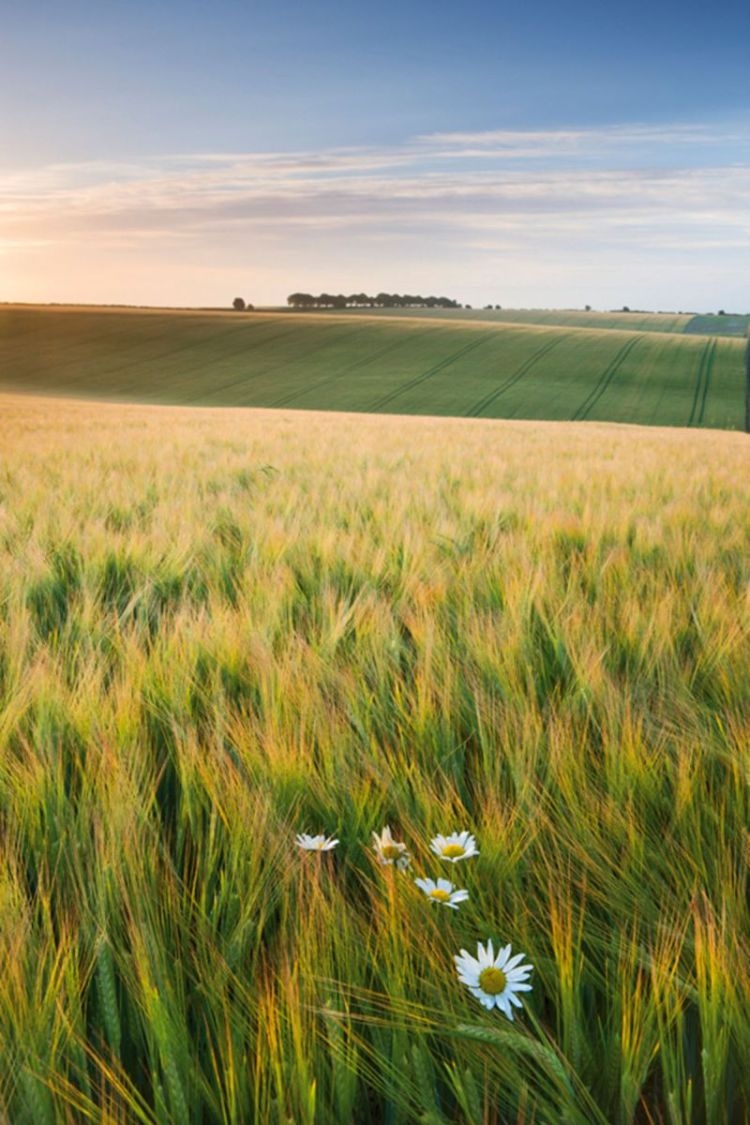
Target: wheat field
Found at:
222, 628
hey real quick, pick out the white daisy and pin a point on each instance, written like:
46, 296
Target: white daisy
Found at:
494, 980
460, 845
389, 851
315, 843
443, 891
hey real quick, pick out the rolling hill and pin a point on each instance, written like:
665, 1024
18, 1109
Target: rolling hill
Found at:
375, 364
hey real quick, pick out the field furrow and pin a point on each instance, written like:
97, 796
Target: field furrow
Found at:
378, 405
479, 408
604, 381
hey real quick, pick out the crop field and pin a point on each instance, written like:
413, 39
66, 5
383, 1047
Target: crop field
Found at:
376, 365
725, 325
709, 324
222, 628
566, 318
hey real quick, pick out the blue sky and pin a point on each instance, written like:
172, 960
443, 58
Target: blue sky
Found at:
548, 153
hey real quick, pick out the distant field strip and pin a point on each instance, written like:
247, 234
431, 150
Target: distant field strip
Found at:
376, 364
728, 325
565, 318
704, 324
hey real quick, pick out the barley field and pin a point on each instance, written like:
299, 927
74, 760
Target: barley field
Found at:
222, 628
375, 364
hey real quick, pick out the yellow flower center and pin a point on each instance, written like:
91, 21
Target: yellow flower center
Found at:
440, 894
391, 851
492, 981
451, 851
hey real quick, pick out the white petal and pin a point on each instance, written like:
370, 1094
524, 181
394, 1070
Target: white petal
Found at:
468, 968
517, 975
485, 955
502, 957
511, 964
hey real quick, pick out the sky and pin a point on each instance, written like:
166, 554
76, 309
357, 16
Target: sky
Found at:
525, 154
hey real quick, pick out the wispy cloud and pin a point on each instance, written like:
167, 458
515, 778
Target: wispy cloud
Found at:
634, 188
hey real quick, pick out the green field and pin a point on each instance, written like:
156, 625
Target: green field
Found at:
570, 318
373, 364
711, 324
222, 628
731, 324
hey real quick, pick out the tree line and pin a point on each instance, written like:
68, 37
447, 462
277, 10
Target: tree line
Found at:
363, 301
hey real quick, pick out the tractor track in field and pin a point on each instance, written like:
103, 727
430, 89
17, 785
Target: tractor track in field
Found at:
250, 375
479, 407
438, 367
702, 382
605, 379
170, 353
79, 342
342, 371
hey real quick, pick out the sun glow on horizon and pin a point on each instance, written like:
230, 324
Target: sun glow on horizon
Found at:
546, 218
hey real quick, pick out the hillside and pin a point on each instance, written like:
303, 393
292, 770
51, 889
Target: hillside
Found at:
375, 364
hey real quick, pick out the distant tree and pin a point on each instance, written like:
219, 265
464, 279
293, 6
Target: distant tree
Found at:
721, 313
625, 308
249, 307
363, 300
300, 300
238, 304
488, 307
498, 306
587, 308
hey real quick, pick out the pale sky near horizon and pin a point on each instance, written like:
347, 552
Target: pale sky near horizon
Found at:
526, 155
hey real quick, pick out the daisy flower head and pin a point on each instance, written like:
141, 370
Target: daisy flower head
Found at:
390, 851
459, 845
494, 981
315, 843
443, 891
